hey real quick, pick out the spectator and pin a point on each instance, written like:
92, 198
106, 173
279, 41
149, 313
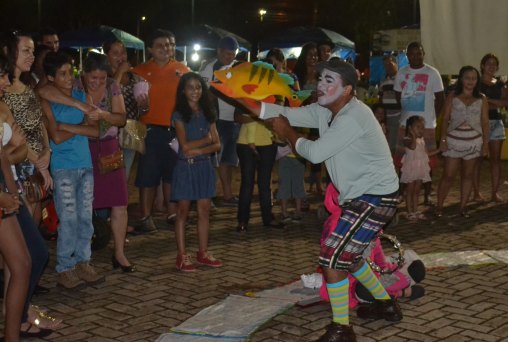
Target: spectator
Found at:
49, 38
163, 73
419, 91
325, 49
497, 97
464, 136
389, 100
226, 126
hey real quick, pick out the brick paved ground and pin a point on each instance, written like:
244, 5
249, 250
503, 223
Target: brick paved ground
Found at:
462, 303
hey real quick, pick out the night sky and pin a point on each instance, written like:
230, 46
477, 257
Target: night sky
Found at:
354, 19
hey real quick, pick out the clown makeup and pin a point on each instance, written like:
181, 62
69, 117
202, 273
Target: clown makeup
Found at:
329, 88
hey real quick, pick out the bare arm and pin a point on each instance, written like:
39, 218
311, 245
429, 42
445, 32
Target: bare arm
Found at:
485, 125
439, 100
189, 145
117, 115
58, 136
443, 146
52, 94
501, 102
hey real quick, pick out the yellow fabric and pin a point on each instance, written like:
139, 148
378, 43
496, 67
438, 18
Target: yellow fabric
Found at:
255, 133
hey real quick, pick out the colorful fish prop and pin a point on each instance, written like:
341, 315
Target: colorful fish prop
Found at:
257, 81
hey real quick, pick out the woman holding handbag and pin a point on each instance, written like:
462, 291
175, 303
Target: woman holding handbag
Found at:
135, 93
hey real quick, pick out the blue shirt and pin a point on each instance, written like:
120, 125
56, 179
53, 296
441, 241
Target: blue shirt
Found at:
74, 152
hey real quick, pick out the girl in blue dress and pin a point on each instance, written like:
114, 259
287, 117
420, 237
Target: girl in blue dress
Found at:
194, 176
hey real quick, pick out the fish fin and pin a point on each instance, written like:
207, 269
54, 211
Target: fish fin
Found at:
265, 65
287, 79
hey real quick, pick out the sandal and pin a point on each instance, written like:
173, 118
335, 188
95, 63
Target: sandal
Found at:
40, 333
42, 319
421, 216
412, 217
171, 219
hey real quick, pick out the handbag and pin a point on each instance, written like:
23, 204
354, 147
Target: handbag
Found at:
132, 136
34, 189
110, 162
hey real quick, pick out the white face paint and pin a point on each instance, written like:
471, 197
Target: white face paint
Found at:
329, 88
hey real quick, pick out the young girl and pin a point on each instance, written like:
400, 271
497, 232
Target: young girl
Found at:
380, 113
415, 165
194, 176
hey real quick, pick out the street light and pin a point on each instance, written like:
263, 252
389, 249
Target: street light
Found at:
138, 27
262, 13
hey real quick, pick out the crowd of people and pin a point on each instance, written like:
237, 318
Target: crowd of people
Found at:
78, 137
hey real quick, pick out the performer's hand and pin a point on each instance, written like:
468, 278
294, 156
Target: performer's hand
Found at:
281, 126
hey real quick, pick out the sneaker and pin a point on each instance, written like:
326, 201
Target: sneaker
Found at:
146, 225
70, 280
86, 272
230, 202
285, 219
296, 218
338, 333
184, 263
206, 258
387, 309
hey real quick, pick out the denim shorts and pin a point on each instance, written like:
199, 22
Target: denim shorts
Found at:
228, 133
496, 130
159, 159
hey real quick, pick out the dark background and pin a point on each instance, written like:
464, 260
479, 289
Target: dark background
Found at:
355, 19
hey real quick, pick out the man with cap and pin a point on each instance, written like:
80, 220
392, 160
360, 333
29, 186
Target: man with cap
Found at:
356, 154
226, 126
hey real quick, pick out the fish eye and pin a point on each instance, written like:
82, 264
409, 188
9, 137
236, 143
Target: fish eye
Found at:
229, 75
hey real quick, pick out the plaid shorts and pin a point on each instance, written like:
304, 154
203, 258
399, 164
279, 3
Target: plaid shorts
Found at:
362, 219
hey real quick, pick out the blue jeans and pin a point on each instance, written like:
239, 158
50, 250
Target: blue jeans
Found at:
73, 195
250, 164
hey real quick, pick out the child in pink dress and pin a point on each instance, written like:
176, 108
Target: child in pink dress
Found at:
415, 168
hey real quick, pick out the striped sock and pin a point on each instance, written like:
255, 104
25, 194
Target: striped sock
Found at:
339, 300
371, 282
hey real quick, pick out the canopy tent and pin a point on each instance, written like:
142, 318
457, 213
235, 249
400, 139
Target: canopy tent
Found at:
290, 41
460, 32
96, 36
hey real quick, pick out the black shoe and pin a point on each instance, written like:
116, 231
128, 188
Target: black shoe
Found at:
338, 333
387, 309
39, 334
242, 228
126, 269
146, 225
40, 290
274, 224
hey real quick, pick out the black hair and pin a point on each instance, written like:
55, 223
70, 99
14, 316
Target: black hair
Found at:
486, 58
158, 33
54, 61
47, 31
300, 69
412, 120
414, 45
459, 86
9, 44
4, 64
96, 61
276, 53
378, 105
205, 102
109, 43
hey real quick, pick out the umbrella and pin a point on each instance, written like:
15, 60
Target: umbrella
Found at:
207, 36
297, 36
95, 37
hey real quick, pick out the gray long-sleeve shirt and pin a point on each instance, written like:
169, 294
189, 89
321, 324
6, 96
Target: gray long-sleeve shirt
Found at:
353, 147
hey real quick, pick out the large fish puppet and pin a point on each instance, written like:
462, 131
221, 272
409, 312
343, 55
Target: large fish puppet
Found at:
257, 81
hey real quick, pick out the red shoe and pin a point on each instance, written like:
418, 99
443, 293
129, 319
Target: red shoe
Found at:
184, 263
206, 258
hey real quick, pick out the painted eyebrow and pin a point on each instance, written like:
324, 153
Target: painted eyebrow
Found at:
329, 78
